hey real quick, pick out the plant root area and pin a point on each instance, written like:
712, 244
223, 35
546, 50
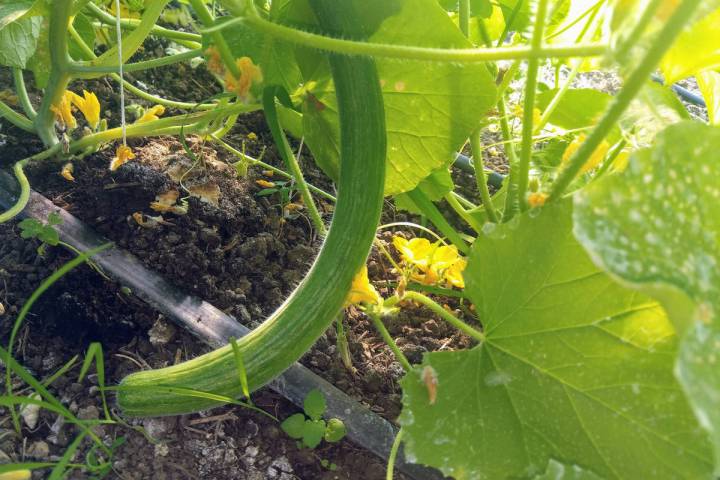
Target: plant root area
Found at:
241, 252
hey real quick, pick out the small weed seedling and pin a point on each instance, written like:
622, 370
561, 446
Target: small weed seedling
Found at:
44, 232
309, 428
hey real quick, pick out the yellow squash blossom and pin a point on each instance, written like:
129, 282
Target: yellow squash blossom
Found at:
249, 74
415, 252
597, 156
433, 263
264, 183
63, 111
123, 154
152, 113
362, 290
214, 61
88, 105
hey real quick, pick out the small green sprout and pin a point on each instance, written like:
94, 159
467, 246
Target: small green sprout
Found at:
309, 427
45, 232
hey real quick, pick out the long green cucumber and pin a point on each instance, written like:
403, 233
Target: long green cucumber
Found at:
289, 332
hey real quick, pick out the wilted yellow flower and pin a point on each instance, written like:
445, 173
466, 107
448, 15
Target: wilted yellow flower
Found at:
537, 199
123, 154
265, 183
152, 113
597, 156
63, 111
214, 62
89, 105
166, 202
249, 74
362, 290
67, 172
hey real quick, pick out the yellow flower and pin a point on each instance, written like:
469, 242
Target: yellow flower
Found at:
597, 156
152, 113
67, 172
537, 199
435, 263
63, 111
362, 290
265, 184
123, 154
16, 475
89, 105
249, 74
416, 251
453, 275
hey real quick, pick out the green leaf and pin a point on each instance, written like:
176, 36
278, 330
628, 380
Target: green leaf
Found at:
578, 108
335, 430
18, 41
435, 187
54, 218
294, 425
696, 49
431, 108
314, 404
13, 10
313, 432
657, 227
574, 367
48, 235
559, 471
709, 84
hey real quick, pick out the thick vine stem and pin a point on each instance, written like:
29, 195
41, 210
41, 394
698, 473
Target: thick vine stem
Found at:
24, 196
295, 326
663, 41
23, 94
407, 52
16, 118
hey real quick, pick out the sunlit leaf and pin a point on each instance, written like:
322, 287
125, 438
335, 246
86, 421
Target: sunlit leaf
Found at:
696, 49
574, 367
559, 471
431, 108
709, 84
657, 227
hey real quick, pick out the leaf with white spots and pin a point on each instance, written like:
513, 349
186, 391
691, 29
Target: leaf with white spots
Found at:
575, 368
657, 227
431, 108
559, 471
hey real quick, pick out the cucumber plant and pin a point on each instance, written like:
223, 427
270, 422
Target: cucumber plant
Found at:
592, 270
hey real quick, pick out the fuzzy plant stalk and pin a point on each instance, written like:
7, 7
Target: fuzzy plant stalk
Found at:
289, 332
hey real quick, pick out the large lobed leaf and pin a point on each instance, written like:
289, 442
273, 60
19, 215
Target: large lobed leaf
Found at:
431, 108
575, 368
19, 32
658, 228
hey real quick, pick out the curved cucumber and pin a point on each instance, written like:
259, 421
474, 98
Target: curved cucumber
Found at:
289, 332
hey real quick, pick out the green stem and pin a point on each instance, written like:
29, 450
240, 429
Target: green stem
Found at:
23, 94
134, 40
342, 344
131, 23
225, 53
393, 455
60, 16
17, 119
256, 161
24, 196
663, 41
89, 54
462, 213
529, 106
387, 338
511, 199
86, 70
462, 55
464, 17
633, 37
287, 154
429, 209
444, 314
476, 145
463, 201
